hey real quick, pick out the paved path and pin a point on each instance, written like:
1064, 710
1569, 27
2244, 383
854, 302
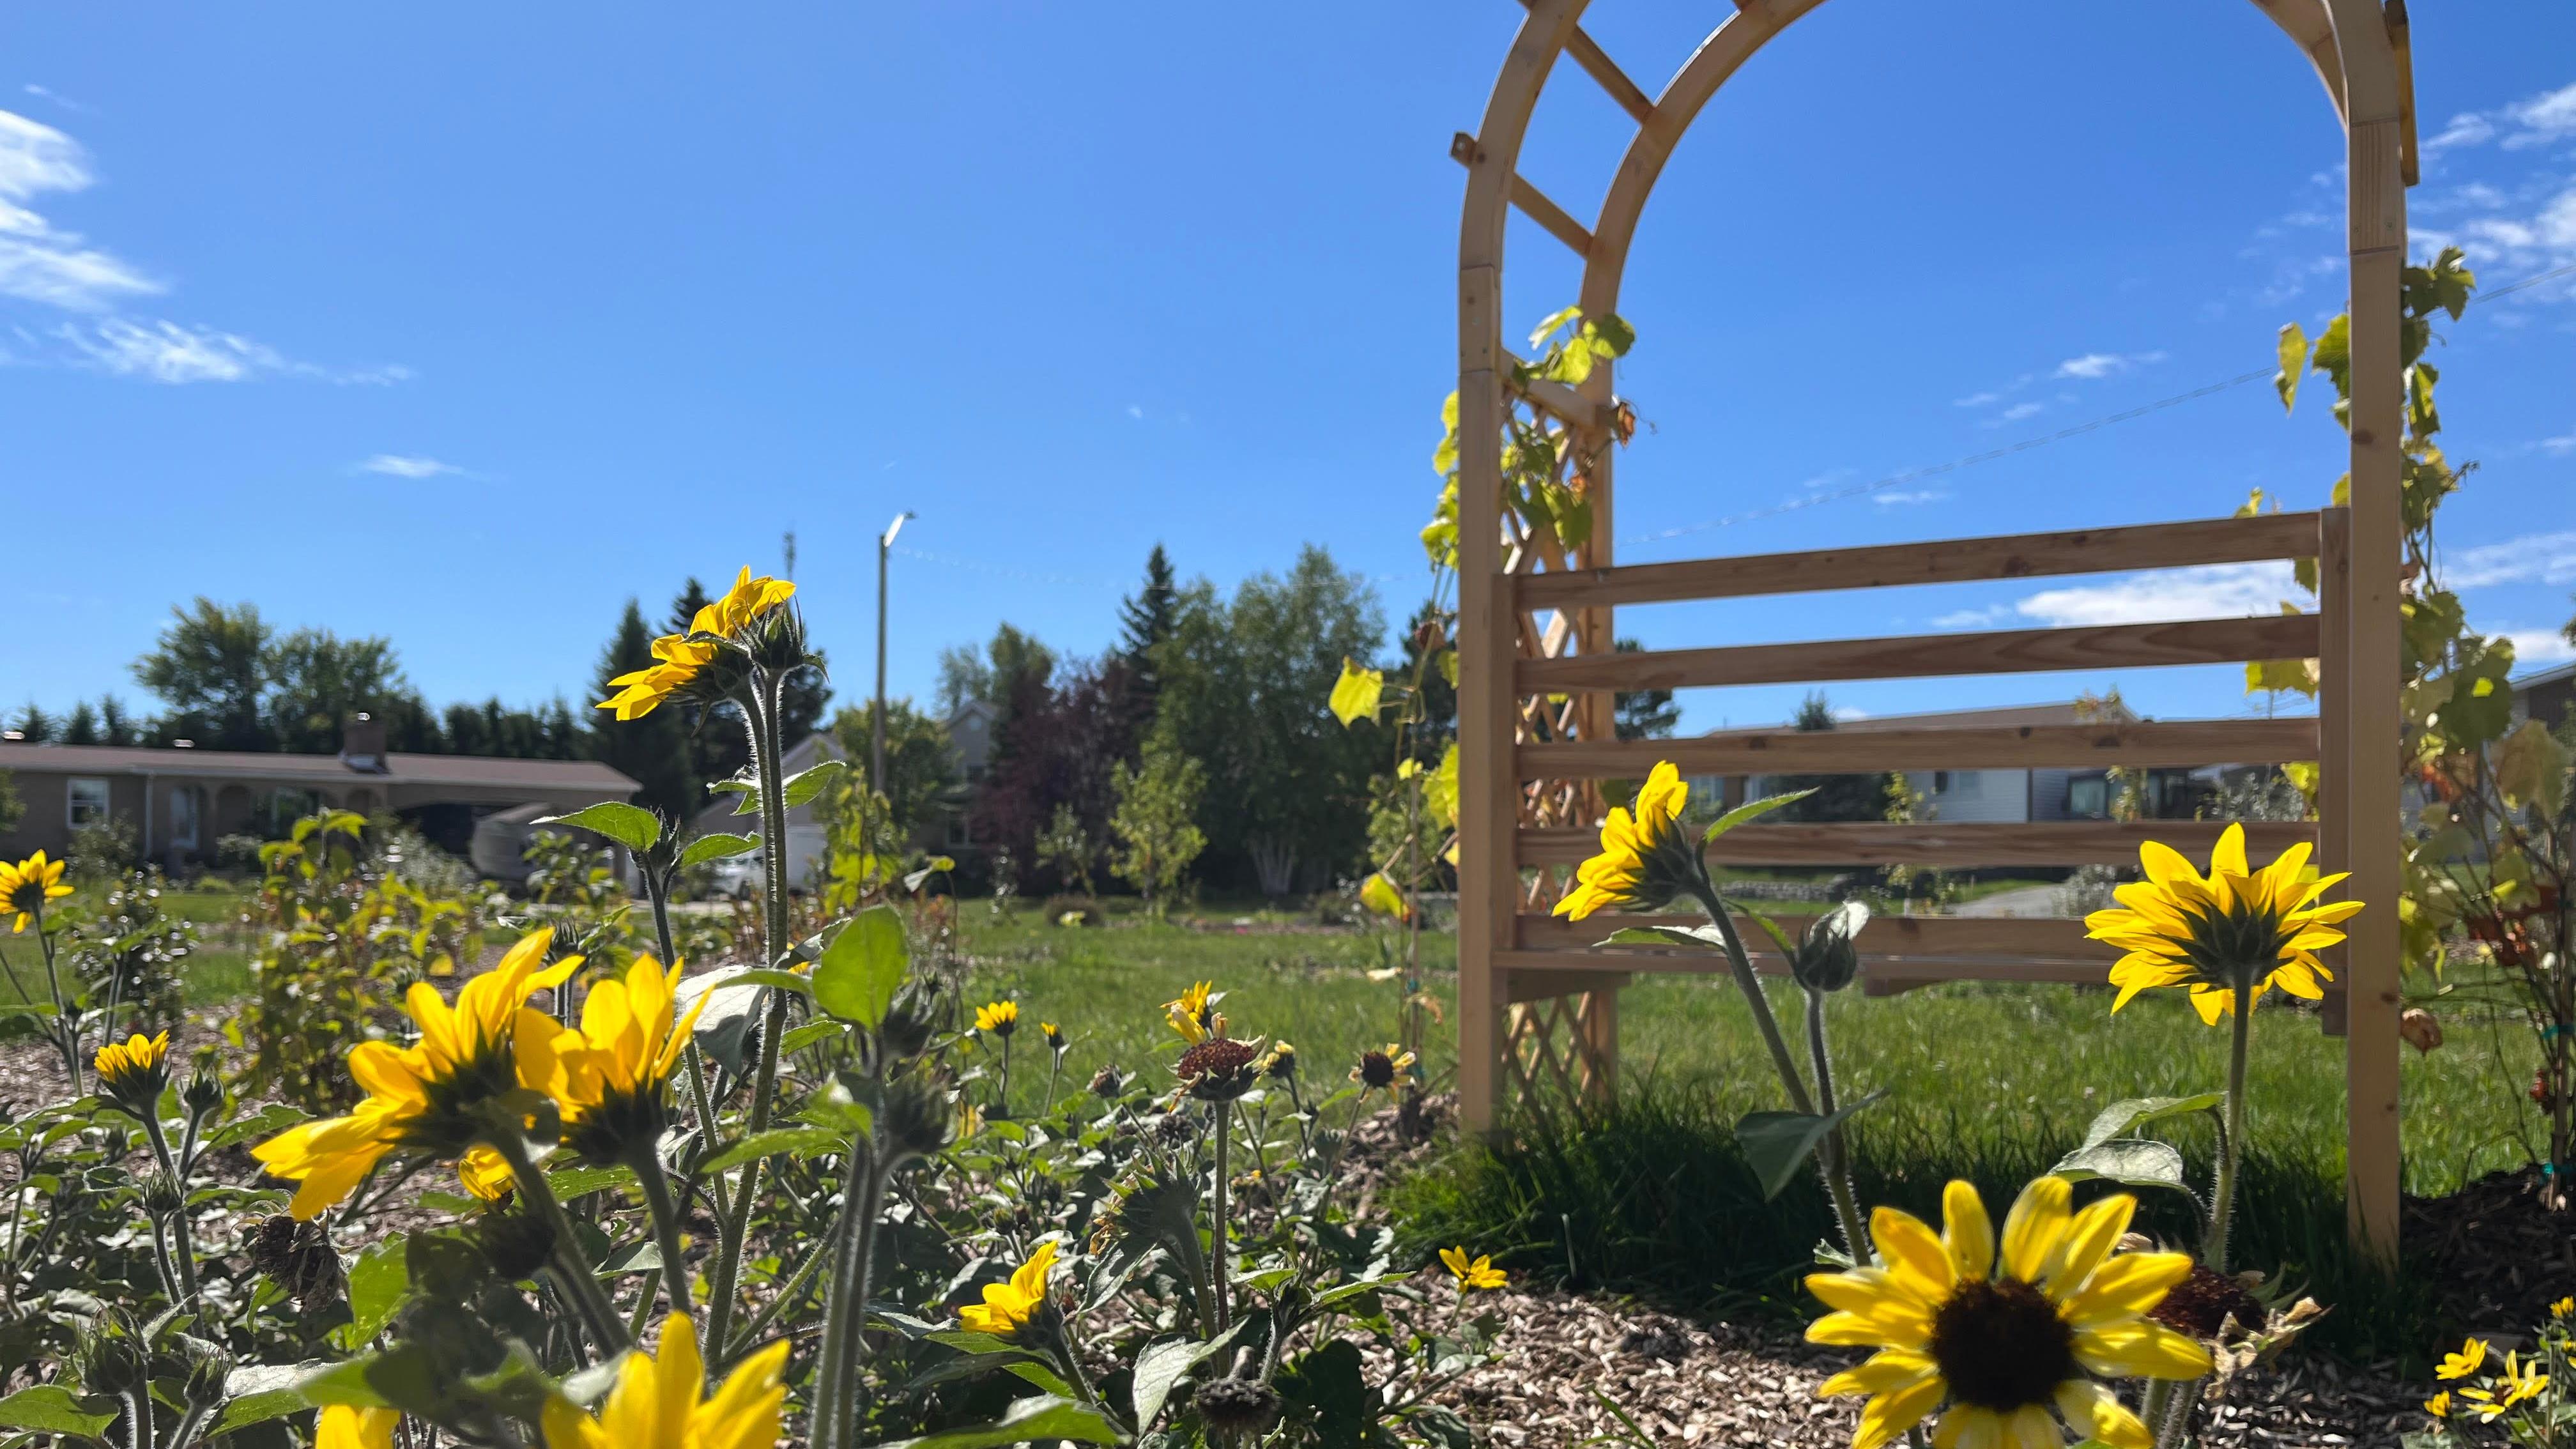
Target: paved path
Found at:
2036, 900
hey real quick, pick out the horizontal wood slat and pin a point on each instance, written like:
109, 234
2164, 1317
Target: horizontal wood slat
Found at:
1986, 747
2048, 842
2005, 651
1946, 561
1999, 937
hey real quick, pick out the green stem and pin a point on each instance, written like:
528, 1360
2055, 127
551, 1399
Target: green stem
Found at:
184, 1242
762, 719
572, 1270
838, 1383
1748, 981
666, 1225
782, 1302
2231, 1152
1224, 1134
1833, 1156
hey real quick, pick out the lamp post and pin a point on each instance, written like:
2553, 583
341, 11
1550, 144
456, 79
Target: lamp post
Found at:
876, 731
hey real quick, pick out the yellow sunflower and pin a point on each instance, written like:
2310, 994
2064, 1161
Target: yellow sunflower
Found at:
26, 886
1008, 1307
420, 1097
2520, 1383
1188, 1013
1378, 1070
656, 1403
2232, 928
345, 1426
135, 1059
1001, 1018
677, 658
1645, 859
1478, 1272
618, 1065
2004, 1338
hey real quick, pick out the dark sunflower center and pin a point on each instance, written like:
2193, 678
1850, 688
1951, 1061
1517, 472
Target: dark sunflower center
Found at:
2002, 1345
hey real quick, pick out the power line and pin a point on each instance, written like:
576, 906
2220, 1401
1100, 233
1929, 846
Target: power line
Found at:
1910, 475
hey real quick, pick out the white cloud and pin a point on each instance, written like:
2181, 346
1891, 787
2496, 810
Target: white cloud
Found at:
2210, 591
403, 465
2533, 647
2019, 411
2547, 558
1973, 618
2535, 121
1977, 400
168, 352
2560, 446
1136, 410
1899, 497
38, 261
2104, 364
1844, 711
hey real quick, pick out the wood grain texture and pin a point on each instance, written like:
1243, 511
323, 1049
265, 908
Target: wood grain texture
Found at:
1945, 561
1972, 938
2005, 651
1985, 747
2047, 842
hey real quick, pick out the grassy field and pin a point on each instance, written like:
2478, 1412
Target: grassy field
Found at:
1992, 1083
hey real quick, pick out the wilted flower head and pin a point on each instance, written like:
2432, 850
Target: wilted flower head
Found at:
1281, 1063
1378, 1070
1106, 1084
1236, 1409
1219, 1068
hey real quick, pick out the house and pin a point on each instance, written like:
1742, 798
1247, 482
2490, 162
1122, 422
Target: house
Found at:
2001, 797
2547, 695
805, 828
181, 800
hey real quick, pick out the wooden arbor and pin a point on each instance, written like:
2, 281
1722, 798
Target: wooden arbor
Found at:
1537, 1002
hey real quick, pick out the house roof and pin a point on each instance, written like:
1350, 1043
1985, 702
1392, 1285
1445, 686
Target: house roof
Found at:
467, 770
2055, 712
2547, 676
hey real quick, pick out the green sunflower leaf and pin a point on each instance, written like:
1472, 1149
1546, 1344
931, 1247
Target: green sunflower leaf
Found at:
2129, 1114
2132, 1161
631, 826
52, 1409
1047, 1416
1777, 1144
1752, 809
717, 845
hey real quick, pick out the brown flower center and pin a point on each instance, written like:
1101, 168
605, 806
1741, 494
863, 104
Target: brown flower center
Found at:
2002, 1345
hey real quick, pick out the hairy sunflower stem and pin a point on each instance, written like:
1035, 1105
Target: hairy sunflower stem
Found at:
1833, 1156
572, 1270
838, 1383
1216, 1195
1748, 981
665, 1214
2231, 1150
782, 1302
761, 720
183, 1246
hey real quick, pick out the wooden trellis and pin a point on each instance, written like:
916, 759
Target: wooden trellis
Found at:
1538, 1001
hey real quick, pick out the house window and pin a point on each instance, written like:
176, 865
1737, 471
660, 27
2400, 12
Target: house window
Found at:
2089, 799
1940, 782
85, 802
1966, 782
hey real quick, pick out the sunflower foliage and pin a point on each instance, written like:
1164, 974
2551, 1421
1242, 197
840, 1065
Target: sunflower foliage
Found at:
2490, 865
344, 930
585, 1199
2523, 1396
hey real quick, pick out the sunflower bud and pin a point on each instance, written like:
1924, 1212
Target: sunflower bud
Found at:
107, 1361
1237, 1409
906, 1030
1828, 956
161, 1194
515, 1244
917, 1118
205, 1090
207, 1368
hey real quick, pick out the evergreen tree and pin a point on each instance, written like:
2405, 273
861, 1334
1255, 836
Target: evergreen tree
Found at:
1837, 797
1650, 714
34, 725
1145, 623
82, 727
115, 726
654, 750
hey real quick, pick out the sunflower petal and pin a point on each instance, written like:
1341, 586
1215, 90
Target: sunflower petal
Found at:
1883, 1418
2035, 1227
1966, 1231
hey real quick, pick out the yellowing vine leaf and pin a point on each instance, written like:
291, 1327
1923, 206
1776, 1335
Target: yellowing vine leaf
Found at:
1357, 693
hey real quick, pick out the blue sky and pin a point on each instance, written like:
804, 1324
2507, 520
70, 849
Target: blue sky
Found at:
461, 325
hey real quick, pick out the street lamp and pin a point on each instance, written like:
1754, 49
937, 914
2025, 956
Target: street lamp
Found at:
876, 735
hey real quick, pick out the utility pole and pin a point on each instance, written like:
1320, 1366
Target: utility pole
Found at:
876, 729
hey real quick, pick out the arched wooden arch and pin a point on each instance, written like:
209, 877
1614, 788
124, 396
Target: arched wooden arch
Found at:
1537, 1004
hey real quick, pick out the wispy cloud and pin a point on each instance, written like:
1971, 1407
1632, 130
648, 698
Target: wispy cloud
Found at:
2533, 121
2560, 446
2535, 558
50, 266
2535, 647
1136, 410
2104, 364
2211, 591
1977, 400
40, 262
58, 98
1901, 498
2016, 413
407, 465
